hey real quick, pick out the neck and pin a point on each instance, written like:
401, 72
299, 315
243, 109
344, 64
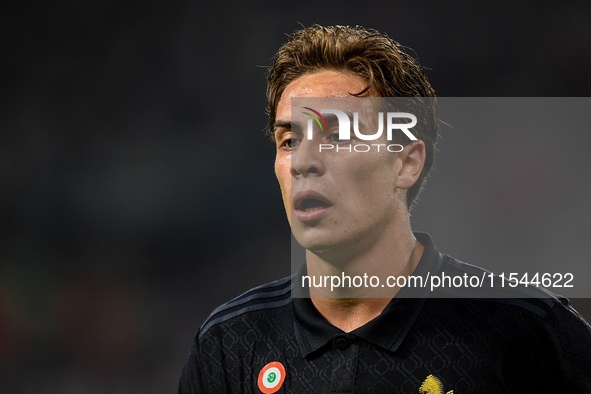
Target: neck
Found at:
395, 253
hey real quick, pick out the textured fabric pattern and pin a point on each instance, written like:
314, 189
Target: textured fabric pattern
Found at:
471, 346
433, 346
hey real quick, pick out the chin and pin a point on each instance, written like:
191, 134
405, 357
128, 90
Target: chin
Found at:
313, 242
323, 246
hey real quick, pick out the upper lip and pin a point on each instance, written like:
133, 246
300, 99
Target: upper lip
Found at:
309, 194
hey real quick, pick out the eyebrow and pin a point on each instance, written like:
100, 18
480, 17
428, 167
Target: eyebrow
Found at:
329, 118
282, 124
286, 124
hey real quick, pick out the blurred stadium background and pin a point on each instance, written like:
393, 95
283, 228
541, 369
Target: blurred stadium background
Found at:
137, 190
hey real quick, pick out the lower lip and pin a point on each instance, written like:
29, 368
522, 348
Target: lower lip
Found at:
307, 217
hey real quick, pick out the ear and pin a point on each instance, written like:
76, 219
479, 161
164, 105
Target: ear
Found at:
410, 163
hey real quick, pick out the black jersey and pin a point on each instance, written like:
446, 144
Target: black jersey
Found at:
265, 341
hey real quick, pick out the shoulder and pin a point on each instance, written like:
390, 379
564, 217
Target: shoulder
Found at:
270, 296
227, 340
491, 289
523, 316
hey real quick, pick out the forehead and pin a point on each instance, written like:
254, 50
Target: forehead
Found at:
320, 84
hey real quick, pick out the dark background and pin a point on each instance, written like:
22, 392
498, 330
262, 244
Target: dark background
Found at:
137, 190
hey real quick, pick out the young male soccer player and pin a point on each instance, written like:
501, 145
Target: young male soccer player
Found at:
351, 213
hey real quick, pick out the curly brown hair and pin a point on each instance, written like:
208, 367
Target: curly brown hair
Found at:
388, 69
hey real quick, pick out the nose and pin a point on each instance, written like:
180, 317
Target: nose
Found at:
306, 160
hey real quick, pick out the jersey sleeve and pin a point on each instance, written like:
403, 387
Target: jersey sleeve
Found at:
194, 377
561, 358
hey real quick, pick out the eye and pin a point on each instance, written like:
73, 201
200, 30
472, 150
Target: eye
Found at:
335, 138
290, 143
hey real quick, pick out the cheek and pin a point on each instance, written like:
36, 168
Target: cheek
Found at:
373, 168
372, 178
283, 173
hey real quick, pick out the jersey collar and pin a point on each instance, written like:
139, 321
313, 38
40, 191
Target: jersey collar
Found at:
388, 330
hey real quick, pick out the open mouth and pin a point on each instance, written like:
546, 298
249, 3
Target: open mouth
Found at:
311, 205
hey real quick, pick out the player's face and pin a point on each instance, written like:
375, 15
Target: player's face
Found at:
332, 199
